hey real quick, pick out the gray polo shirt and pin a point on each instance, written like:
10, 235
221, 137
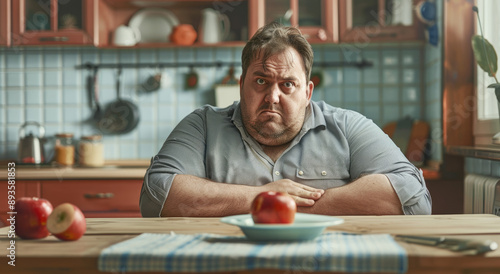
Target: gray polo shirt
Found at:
334, 147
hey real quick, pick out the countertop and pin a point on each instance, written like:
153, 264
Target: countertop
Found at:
113, 169
491, 152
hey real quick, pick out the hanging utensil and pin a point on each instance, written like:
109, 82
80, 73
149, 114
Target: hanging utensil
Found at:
98, 110
121, 116
153, 83
93, 96
191, 79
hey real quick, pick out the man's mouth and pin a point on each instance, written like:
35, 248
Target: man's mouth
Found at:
269, 112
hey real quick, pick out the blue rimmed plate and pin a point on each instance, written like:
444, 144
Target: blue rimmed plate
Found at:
305, 227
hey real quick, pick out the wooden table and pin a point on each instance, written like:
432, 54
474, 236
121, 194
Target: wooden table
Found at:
52, 256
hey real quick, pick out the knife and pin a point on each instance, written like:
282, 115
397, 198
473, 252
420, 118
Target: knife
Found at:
477, 246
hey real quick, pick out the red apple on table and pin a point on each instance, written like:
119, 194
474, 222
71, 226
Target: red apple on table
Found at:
31, 218
67, 222
272, 207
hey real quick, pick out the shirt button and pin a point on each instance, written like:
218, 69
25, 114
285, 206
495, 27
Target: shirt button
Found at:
323, 173
301, 172
277, 173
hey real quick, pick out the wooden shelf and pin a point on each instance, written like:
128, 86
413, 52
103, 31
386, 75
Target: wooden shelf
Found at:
172, 45
490, 152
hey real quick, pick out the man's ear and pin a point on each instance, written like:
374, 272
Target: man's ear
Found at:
241, 87
309, 90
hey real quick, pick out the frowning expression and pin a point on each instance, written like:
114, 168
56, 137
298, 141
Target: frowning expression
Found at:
274, 98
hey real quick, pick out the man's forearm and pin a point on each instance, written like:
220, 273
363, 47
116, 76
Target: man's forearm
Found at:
369, 195
198, 197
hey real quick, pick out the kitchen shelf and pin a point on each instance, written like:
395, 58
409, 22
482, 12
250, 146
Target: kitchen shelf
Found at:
91, 66
172, 45
490, 152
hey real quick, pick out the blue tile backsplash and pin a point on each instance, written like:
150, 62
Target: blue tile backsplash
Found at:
484, 167
44, 85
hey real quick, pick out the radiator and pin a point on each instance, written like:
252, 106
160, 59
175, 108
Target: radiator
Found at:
481, 194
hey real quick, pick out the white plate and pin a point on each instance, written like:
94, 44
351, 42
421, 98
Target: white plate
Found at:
305, 227
153, 24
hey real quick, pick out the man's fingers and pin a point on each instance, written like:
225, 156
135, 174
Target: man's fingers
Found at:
308, 188
303, 202
310, 193
304, 195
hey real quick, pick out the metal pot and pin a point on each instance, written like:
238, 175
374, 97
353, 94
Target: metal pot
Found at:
121, 116
30, 148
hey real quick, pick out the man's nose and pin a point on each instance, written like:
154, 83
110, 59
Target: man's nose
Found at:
273, 94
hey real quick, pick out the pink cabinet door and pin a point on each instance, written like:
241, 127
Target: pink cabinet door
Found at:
53, 22
317, 19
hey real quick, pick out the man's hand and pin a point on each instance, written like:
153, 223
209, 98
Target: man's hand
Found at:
302, 194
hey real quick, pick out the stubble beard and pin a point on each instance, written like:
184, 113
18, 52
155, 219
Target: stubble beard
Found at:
270, 135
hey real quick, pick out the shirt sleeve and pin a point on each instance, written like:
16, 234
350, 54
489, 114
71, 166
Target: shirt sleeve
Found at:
373, 152
182, 153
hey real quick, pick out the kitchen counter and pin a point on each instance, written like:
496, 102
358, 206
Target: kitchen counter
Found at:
115, 169
491, 152
50, 255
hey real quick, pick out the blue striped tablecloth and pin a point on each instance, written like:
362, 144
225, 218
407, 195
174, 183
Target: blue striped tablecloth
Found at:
209, 252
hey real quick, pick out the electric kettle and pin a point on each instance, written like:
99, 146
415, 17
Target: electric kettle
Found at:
30, 148
214, 26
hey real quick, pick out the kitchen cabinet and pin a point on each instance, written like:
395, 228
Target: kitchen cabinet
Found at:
365, 21
113, 13
316, 19
5, 31
22, 189
96, 198
53, 22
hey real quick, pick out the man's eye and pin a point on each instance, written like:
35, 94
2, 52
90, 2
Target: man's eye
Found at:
288, 84
260, 81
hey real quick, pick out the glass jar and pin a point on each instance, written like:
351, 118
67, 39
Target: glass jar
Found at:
91, 151
65, 150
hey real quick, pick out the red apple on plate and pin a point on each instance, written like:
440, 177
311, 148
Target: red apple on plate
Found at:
31, 218
272, 207
67, 222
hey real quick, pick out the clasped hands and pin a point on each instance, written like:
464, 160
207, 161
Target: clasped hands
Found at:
302, 194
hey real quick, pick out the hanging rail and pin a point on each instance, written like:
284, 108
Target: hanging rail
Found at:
91, 66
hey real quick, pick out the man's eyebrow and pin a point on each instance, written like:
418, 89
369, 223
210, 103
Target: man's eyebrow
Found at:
260, 73
263, 74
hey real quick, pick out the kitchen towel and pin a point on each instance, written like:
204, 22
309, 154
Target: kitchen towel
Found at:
208, 252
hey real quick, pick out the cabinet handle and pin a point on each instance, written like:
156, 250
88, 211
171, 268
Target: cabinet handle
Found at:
385, 34
99, 195
54, 39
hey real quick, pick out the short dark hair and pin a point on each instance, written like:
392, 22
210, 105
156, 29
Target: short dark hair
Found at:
274, 38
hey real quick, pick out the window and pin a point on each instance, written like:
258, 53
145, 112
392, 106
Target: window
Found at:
486, 122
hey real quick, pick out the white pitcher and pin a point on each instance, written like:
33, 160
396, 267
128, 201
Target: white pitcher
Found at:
126, 36
214, 26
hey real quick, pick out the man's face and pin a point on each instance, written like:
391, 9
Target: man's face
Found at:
274, 98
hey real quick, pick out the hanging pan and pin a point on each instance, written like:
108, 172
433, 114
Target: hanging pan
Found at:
121, 116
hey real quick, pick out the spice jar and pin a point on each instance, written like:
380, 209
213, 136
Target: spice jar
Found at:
91, 151
65, 150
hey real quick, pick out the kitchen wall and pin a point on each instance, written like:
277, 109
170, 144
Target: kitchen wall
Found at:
44, 85
482, 167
